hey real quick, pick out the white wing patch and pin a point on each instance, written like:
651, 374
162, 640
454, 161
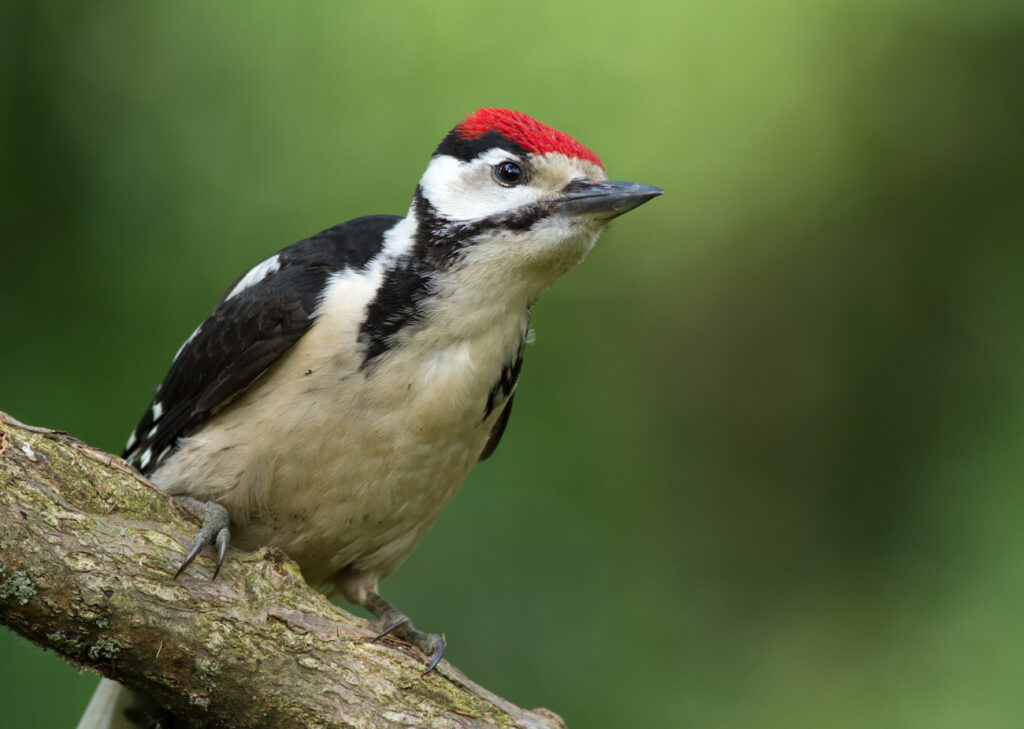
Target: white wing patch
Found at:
256, 274
158, 411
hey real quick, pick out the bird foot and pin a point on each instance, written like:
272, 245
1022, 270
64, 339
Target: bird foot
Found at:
213, 531
396, 623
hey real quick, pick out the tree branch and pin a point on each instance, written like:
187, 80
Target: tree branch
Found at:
88, 548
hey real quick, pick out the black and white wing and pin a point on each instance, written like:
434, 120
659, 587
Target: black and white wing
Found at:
497, 431
256, 321
502, 391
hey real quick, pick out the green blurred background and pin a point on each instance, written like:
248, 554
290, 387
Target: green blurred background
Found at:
765, 465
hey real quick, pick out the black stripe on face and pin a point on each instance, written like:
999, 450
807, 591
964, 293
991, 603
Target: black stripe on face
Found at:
438, 241
466, 150
520, 219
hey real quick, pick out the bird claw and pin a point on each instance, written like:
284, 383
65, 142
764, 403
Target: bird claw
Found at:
223, 537
402, 620
213, 531
435, 658
432, 644
398, 624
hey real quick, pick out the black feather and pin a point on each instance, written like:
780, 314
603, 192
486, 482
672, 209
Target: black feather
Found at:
497, 431
506, 382
466, 149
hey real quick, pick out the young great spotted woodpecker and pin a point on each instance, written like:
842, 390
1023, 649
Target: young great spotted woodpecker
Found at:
344, 387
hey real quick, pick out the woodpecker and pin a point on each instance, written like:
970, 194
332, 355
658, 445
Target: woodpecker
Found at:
343, 387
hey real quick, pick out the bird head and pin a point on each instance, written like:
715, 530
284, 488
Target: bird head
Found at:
515, 199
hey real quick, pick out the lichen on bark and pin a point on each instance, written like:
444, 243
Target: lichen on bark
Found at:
88, 549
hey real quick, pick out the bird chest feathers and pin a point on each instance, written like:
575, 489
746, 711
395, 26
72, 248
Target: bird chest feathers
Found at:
334, 463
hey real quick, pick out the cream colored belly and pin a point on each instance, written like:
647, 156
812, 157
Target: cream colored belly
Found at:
341, 469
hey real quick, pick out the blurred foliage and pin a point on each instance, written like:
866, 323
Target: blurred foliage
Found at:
765, 465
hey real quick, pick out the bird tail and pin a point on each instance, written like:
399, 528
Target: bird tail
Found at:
106, 709
114, 707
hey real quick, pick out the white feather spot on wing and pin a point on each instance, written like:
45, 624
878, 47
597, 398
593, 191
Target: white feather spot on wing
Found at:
256, 274
144, 461
158, 410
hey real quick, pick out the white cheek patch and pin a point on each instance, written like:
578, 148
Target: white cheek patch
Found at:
466, 191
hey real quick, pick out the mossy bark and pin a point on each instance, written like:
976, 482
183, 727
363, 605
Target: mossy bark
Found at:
88, 549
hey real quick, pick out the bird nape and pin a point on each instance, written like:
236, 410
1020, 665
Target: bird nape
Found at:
344, 387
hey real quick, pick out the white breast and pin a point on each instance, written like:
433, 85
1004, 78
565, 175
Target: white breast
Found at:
344, 468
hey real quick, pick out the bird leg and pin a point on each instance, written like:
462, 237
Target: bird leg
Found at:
213, 531
395, 622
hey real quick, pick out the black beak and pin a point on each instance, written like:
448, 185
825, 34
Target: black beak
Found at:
603, 199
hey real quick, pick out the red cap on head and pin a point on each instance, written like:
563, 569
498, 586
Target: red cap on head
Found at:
525, 131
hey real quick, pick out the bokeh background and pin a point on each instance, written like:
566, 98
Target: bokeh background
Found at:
765, 467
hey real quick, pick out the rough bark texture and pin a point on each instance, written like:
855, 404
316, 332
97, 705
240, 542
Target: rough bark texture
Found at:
87, 553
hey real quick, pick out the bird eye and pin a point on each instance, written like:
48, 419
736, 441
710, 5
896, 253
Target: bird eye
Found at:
508, 173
